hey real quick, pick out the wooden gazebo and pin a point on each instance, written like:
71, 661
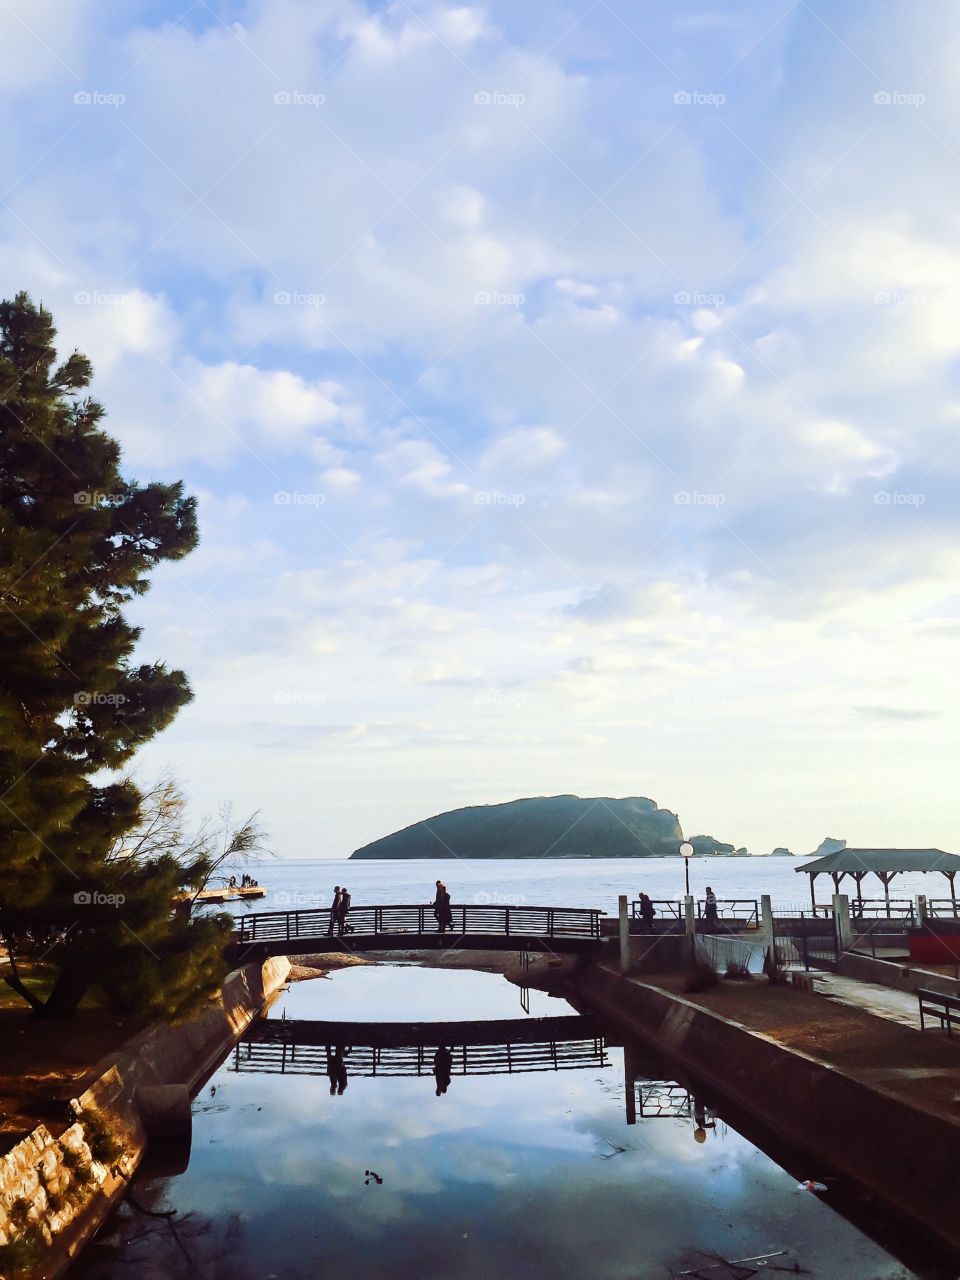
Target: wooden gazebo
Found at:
884, 864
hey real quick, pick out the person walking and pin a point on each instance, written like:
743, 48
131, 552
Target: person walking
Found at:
647, 912
344, 911
441, 908
335, 910
710, 912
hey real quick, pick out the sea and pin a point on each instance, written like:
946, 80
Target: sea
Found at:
296, 884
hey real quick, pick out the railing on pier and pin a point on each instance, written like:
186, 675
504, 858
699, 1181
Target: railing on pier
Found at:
738, 913
944, 908
505, 921
805, 937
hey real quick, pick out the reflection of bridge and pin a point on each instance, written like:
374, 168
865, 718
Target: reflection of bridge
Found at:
387, 928
502, 1047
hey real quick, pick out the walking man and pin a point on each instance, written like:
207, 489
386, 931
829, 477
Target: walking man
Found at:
335, 909
344, 910
710, 914
647, 913
441, 908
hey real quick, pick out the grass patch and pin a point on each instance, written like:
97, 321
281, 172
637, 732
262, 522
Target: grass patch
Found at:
101, 1137
701, 976
19, 1256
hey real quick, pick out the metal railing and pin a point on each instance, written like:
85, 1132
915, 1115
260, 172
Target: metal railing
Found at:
665, 908
742, 911
283, 1058
944, 908
507, 921
805, 937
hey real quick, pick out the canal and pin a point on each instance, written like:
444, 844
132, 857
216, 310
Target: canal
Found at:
513, 1160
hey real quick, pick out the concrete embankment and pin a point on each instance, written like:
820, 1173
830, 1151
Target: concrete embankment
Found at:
871, 1099
57, 1191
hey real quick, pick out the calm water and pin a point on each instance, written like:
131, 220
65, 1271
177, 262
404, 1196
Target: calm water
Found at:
552, 882
520, 1176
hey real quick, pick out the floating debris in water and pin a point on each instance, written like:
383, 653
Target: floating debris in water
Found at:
811, 1185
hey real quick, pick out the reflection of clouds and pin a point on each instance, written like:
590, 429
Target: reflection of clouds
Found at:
501, 1175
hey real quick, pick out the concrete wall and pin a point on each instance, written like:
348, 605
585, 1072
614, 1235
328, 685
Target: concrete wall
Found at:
55, 1186
890, 974
906, 1156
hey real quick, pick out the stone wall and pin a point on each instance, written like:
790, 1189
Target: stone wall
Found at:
56, 1190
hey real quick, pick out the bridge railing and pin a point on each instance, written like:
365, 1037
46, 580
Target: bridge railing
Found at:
415, 1060
508, 921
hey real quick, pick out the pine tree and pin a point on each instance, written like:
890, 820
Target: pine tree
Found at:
77, 542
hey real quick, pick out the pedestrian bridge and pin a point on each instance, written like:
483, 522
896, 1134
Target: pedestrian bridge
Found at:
349, 1049
414, 927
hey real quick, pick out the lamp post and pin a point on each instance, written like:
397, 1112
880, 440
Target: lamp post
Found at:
686, 853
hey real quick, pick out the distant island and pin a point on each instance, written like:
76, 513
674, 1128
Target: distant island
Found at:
545, 826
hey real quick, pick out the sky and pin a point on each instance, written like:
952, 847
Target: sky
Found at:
569, 391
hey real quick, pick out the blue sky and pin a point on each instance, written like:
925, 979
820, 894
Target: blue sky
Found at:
570, 392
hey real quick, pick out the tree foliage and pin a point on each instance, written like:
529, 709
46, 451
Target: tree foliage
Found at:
78, 541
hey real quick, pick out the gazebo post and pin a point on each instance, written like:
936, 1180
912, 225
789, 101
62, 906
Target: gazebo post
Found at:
858, 876
951, 876
813, 896
886, 877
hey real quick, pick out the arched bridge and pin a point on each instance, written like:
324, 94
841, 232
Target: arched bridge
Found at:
405, 927
340, 1050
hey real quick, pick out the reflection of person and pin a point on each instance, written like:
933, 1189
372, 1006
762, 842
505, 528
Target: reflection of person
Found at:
336, 1070
701, 1121
441, 908
710, 914
335, 909
442, 1068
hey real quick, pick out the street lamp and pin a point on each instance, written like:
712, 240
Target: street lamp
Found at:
686, 853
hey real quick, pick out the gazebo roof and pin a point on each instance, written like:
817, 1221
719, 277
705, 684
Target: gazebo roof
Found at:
883, 862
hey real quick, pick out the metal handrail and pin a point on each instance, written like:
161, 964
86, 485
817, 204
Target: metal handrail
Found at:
727, 908
508, 920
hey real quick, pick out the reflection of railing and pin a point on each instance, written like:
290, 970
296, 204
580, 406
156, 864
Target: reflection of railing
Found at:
284, 1058
509, 921
659, 1099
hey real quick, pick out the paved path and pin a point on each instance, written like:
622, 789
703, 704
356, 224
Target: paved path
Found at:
882, 1002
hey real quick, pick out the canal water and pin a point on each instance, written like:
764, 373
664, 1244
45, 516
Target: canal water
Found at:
524, 1175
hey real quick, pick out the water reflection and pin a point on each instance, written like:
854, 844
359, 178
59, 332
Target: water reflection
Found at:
525, 1175
295, 1046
